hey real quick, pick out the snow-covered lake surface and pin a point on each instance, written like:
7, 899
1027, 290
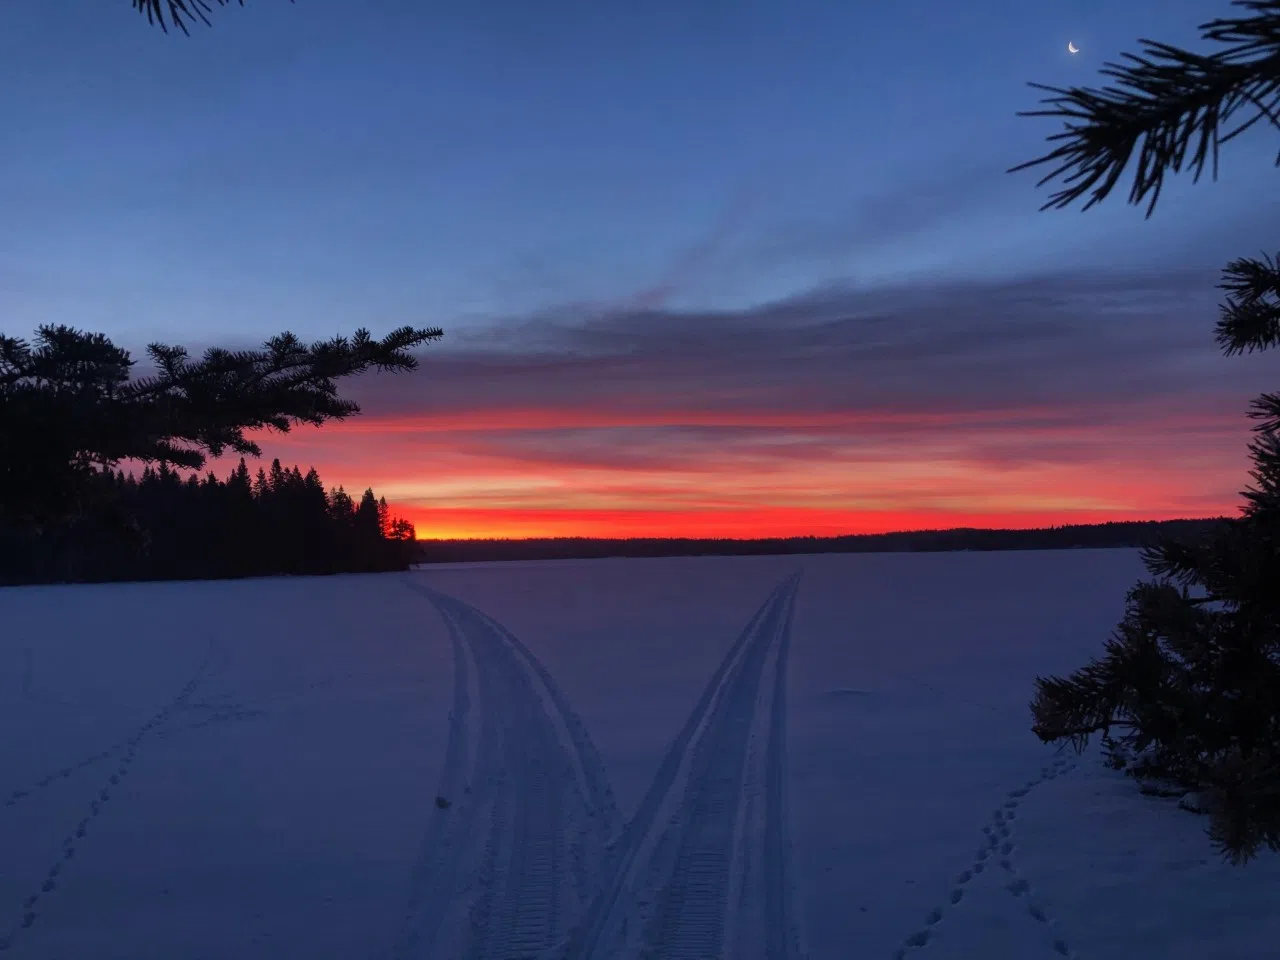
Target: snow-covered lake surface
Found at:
678, 759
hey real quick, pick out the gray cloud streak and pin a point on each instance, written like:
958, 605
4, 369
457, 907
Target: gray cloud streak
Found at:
1069, 342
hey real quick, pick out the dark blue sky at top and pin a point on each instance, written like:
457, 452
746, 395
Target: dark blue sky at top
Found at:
332, 163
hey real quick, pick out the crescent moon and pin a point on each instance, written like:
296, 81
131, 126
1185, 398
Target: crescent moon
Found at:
1072, 48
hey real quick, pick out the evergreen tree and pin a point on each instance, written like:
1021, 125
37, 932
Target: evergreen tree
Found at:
70, 410
368, 519
194, 528
1188, 686
341, 506
402, 530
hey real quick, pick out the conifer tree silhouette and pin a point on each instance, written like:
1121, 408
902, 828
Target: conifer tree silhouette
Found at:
70, 409
201, 528
1188, 686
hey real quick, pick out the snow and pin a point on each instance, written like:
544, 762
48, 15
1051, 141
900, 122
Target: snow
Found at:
755, 757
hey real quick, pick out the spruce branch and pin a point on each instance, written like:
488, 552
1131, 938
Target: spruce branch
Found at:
68, 405
1266, 410
180, 13
1264, 450
1193, 675
1249, 319
1172, 107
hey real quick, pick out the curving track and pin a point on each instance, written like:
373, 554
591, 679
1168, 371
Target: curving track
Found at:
531, 859
701, 870
506, 869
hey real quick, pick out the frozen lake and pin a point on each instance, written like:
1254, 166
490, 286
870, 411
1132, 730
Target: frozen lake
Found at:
678, 759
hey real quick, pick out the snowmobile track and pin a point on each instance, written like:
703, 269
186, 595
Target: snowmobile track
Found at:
689, 860
432, 881
506, 867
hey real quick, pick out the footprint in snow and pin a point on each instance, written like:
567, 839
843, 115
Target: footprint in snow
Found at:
998, 840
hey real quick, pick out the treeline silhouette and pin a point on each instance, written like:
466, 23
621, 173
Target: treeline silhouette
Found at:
167, 526
1096, 535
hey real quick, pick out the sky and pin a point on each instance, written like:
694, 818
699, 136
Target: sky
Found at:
704, 268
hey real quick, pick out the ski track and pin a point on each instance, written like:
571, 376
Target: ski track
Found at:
1000, 843
689, 863
504, 870
127, 750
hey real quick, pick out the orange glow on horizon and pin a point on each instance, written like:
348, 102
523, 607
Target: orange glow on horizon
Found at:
744, 525
645, 472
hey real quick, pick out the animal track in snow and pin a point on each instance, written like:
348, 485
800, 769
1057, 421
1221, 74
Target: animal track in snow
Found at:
226, 711
1000, 843
64, 773
127, 751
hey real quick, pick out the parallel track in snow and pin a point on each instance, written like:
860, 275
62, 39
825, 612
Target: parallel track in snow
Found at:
701, 870
506, 869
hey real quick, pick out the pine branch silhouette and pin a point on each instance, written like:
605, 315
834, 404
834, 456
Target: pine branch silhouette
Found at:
68, 407
1188, 687
1172, 107
181, 14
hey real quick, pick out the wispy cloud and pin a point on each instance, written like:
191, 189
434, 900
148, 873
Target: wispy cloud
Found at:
696, 258
911, 208
1045, 400
1074, 342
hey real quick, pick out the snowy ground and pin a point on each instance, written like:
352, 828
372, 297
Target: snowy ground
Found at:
679, 759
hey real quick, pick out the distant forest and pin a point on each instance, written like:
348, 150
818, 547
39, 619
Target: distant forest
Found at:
1095, 535
164, 526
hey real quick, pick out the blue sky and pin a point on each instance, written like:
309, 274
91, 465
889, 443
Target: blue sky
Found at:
321, 164
726, 267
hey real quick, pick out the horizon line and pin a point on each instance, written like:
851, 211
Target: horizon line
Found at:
837, 536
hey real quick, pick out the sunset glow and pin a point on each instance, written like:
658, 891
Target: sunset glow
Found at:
697, 276
557, 473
